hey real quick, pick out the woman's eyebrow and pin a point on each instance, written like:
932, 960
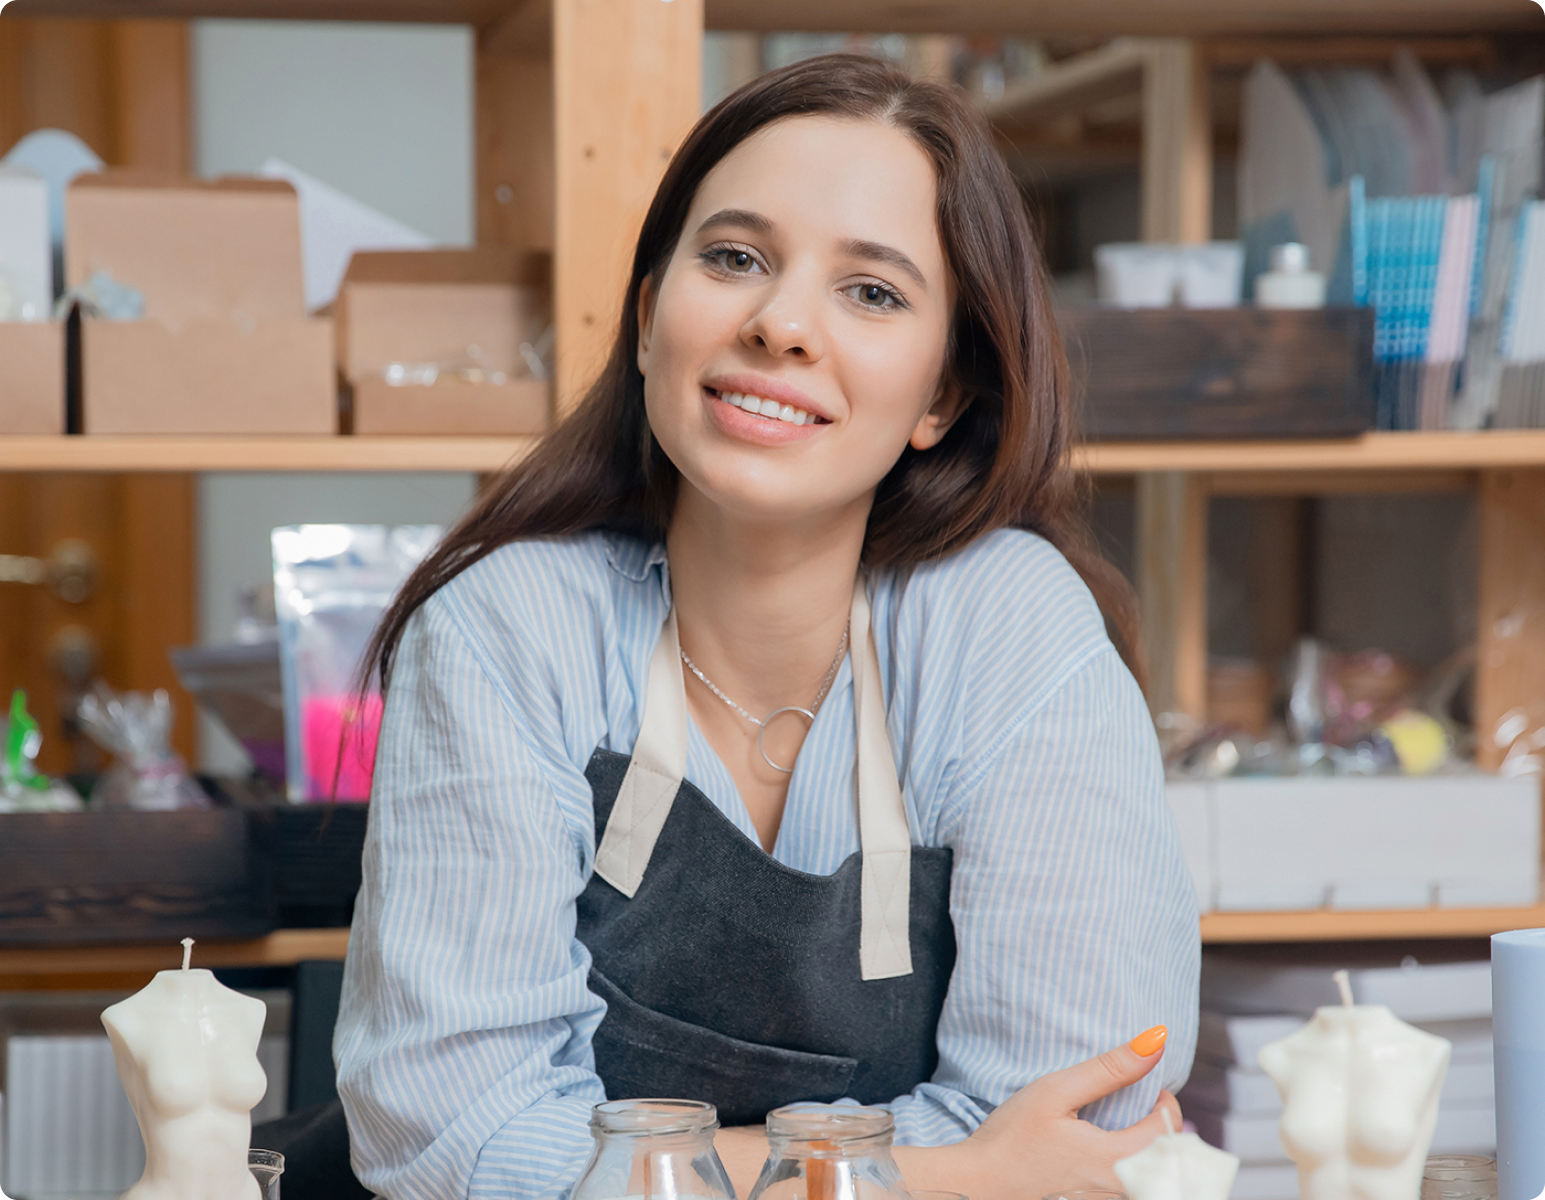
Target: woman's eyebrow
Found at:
879, 252
741, 218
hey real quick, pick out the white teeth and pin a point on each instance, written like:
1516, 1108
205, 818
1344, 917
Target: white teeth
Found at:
768, 408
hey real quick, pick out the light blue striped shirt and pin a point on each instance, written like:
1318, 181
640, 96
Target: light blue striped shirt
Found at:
1021, 742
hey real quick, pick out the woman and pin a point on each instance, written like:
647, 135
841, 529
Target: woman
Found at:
758, 737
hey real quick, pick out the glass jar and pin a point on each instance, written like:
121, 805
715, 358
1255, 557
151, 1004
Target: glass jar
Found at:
266, 1167
829, 1152
653, 1150
1459, 1177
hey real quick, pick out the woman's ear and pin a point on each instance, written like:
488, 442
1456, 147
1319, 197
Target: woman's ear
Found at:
646, 298
942, 413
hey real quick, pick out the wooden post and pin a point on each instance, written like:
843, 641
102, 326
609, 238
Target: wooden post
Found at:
1172, 587
626, 82
1510, 612
1172, 507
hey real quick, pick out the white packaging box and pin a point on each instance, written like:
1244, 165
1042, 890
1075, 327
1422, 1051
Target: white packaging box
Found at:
1234, 1040
1460, 841
26, 255
1471, 1129
1244, 1093
1188, 803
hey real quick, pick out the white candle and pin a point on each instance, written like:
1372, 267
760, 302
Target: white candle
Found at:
1178, 1166
186, 1049
1359, 1100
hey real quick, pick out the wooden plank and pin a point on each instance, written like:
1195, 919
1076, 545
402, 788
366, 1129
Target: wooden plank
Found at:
516, 156
283, 948
150, 111
1241, 53
1275, 577
1071, 86
157, 589
479, 13
1177, 144
1287, 484
525, 30
626, 80
1335, 926
1510, 617
1446, 451
321, 453
1172, 589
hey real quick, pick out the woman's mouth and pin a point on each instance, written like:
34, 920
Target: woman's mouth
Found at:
769, 410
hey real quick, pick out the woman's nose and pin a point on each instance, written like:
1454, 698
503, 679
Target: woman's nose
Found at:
787, 323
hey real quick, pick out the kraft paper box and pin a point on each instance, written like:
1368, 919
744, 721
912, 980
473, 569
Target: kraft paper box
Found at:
31, 377
224, 345
463, 312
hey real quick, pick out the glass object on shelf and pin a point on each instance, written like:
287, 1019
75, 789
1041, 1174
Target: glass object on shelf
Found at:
266, 1167
829, 1152
1086, 1194
1459, 1177
653, 1150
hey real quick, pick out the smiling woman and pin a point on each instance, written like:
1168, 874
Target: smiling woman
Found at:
759, 738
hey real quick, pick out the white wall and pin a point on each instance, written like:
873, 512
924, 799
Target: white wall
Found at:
383, 112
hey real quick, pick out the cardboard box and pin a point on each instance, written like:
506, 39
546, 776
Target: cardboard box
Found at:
464, 313
1462, 841
31, 377
224, 345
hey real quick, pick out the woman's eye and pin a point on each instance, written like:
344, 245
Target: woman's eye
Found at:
732, 261
875, 295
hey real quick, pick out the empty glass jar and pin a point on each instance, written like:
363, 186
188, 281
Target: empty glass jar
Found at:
653, 1150
266, 1167
1459, 1177
829, 1152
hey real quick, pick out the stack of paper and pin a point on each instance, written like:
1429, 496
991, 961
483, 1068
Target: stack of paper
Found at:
1248, 1003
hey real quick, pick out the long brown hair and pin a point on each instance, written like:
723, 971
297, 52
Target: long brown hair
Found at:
1003, 463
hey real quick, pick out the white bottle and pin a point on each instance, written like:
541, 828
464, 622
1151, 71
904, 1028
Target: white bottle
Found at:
1290, 283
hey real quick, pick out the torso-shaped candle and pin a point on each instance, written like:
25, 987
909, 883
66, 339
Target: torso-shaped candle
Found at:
1178, 1166
1359, 1101
186, 1049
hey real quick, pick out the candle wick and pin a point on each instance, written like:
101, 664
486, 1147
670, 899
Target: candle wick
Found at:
187, 952
1344, 986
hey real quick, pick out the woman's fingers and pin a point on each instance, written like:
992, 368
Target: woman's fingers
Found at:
1072, 1088
1135, 1138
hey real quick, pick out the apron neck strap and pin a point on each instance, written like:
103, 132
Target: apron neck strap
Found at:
659, 764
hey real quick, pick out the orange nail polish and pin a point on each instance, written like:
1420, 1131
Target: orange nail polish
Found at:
1148, 1042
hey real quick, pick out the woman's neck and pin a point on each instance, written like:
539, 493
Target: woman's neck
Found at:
761, 606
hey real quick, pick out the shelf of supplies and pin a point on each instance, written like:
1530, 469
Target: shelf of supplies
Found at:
1327, 925
1101, 17
191, 453
283, 948
1378, 454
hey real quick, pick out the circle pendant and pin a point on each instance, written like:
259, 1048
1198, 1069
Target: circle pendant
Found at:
767, 720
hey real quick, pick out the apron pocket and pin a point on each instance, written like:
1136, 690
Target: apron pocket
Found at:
641, 1053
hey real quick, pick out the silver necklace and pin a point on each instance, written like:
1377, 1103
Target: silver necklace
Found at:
762, 723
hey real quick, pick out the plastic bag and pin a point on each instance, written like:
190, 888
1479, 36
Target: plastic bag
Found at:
331, 584
22, 787
136, 729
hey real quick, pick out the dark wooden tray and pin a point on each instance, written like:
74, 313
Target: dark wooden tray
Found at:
119, 876
1222, 373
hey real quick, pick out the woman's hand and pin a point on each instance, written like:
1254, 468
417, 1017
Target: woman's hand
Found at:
1035, 1144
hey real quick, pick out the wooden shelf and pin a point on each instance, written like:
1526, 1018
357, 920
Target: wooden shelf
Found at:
132, 453
1082, 17
284, 948
1377, 453
1346, 926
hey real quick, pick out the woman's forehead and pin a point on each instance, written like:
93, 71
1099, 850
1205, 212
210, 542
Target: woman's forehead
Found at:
833, 176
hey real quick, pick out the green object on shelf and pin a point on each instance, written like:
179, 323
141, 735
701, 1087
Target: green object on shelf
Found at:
23, 737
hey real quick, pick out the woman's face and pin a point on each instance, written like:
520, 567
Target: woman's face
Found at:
795, 342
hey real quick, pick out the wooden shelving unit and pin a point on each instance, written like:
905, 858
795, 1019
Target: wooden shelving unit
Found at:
555, 165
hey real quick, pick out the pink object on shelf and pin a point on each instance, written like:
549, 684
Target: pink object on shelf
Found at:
330, 724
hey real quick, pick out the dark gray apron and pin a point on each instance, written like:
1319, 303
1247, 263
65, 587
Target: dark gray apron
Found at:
731, 978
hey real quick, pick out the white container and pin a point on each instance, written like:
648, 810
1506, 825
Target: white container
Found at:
1290, 283
26, 258
1136, 274
1463, 841
1189, 803
1212, 274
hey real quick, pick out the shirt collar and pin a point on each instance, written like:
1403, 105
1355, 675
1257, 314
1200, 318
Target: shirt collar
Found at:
631, 558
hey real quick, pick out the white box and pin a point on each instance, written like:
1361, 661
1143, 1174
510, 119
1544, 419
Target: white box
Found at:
1189, 803
1464, 841
1460, 1130
26, 253
1243, 1093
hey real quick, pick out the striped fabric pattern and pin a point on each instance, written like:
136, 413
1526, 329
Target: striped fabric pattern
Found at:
1021, 742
